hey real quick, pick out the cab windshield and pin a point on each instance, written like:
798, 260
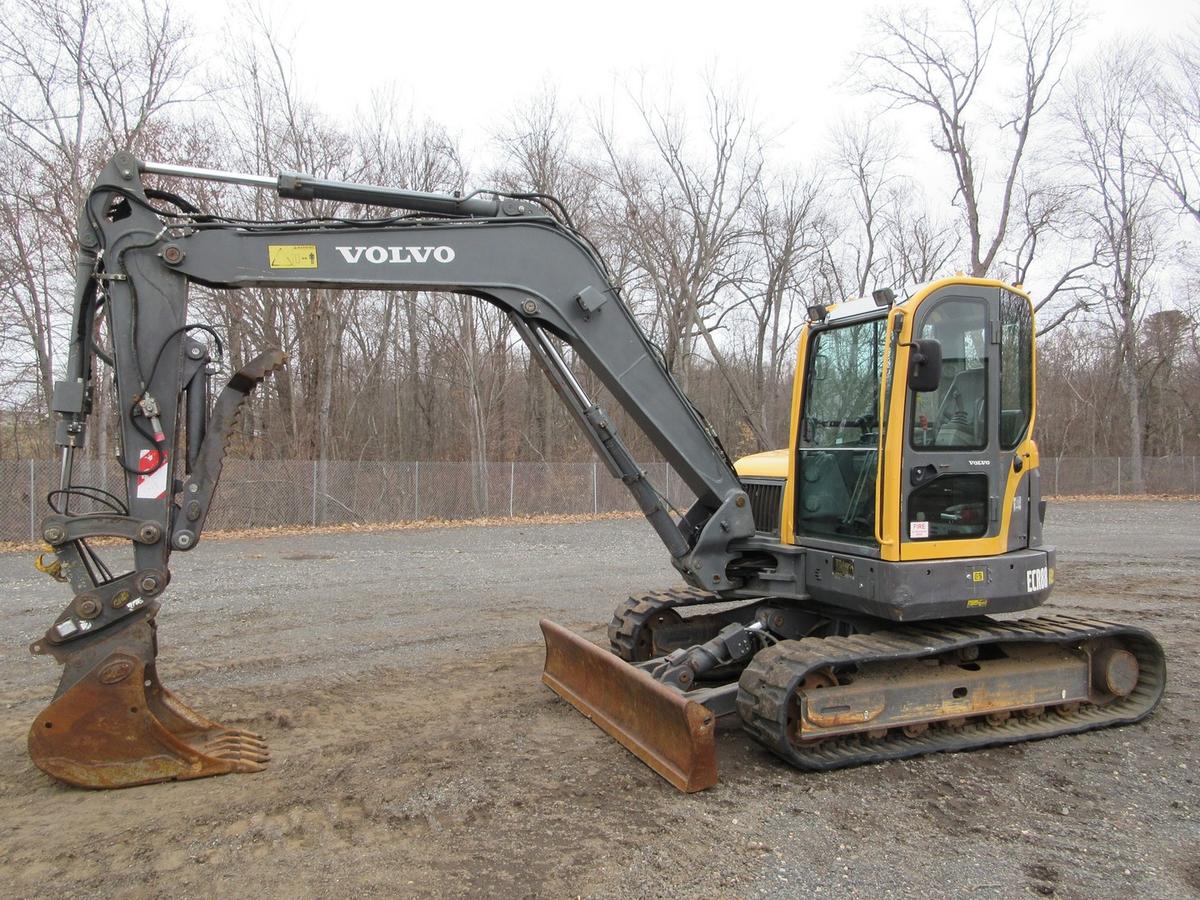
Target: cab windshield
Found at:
839, 432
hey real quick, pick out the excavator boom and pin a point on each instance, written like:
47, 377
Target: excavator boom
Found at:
112, 723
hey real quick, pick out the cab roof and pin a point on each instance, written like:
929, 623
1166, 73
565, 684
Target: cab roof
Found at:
862, 306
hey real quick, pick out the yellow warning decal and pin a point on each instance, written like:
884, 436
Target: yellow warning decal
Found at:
292, 256
978, 601
978, 575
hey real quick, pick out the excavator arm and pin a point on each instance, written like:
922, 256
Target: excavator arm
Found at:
836, 657
112, 723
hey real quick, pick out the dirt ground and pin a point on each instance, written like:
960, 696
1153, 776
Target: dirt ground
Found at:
415, 752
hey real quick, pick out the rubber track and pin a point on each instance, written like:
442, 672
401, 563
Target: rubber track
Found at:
635, 611
771, 677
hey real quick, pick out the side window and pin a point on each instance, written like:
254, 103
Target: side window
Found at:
1016, 369
950, 506
955, 416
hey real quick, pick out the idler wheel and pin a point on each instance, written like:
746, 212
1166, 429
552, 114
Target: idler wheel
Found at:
1116, 671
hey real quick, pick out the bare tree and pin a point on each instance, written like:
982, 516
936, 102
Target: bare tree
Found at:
539, 155
82, 80
785, 215
1172, 407
687, 218
1049, 209
717, 247
282, 132
396, 149
942, 68
1108, 112
865, 157
1175, 160
920, 247
479, 337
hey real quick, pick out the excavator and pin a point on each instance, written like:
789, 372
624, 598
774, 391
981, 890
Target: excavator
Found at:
848, 599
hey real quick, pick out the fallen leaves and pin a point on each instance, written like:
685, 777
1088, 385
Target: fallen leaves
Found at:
357, 527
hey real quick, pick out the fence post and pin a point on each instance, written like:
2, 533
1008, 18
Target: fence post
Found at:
32, 511
595, 495
512, 483
314, 492
1118, 476
416, 490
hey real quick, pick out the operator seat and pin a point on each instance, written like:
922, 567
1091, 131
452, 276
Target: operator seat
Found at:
961, 421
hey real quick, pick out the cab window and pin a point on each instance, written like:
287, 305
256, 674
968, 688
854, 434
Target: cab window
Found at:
950, 506
954, 417
839, 433
1016, 369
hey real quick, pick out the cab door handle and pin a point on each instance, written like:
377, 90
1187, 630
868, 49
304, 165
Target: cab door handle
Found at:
921, 474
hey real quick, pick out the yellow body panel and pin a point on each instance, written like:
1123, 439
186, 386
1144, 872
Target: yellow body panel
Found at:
768, 464
787, 515
891, 457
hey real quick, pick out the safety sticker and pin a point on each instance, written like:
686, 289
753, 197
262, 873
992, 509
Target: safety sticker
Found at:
292, 256
977, 602
152, 485
918, 529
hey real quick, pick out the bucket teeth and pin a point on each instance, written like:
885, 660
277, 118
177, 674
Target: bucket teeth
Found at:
232, 745
117, 726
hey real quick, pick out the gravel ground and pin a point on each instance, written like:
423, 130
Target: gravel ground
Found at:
416, 753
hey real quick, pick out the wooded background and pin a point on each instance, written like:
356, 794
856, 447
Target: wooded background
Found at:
1079, 171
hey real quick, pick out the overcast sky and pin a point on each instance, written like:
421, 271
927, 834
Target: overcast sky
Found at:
467, 64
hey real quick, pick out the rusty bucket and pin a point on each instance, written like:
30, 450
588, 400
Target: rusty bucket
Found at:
668, 732
113, 724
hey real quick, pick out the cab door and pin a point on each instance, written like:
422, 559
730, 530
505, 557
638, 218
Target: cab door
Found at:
952, 480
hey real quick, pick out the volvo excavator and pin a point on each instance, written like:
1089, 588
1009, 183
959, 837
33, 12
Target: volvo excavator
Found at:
847, 598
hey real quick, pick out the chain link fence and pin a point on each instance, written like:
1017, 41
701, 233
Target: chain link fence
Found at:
264, 493
1069, 476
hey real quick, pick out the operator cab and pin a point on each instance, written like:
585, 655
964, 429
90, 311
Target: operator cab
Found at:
954, 447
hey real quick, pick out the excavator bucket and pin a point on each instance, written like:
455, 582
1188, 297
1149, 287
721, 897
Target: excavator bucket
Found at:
115, 725
668, 732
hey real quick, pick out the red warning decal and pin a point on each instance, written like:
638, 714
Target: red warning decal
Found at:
153, 484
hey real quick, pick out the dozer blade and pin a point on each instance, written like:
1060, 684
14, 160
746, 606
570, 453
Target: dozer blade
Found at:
115, 725
668, 732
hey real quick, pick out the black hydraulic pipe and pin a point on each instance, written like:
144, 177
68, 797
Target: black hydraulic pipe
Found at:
197, 415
